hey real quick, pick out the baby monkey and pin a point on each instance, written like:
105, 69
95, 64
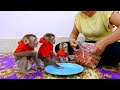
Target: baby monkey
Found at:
63, 53
26, 55
45, 52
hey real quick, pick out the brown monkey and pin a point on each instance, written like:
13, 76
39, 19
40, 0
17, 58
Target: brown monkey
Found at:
26, 54
45, 52
63, 53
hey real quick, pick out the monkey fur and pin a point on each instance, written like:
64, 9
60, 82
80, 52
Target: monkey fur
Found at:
26, 55
45, 52
63, 53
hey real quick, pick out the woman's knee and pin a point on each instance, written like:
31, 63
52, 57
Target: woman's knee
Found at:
113, 49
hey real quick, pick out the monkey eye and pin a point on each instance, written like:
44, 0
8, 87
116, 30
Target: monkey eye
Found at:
52, 39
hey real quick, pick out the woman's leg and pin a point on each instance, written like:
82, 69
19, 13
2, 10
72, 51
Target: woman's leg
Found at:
111, 55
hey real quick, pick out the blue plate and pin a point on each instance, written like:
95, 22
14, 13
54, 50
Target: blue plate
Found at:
68, 69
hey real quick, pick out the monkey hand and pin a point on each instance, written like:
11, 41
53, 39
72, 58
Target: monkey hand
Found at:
29, 72
59, 67
41, 67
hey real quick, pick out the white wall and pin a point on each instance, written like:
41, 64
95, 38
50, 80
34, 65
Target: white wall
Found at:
15, 24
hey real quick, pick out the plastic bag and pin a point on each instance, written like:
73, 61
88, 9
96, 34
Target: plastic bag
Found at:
85, 57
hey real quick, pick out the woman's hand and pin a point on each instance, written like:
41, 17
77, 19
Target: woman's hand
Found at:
74, 44
99, 47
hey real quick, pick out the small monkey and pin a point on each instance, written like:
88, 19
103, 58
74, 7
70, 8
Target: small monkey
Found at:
26, 54
63, 53
45, 52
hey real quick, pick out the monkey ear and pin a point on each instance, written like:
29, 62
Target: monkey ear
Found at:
46, 38
61, 45
26, 41
66, 44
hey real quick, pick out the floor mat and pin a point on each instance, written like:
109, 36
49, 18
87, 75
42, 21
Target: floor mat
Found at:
9, 70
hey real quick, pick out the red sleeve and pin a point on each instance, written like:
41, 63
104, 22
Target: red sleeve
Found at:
20, 48
42, 40
52, 49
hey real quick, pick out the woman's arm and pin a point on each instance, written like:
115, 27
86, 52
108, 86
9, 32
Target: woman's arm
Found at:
74, 34
115, 36
73, 37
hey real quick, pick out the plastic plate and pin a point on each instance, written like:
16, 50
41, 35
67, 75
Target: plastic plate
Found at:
68, 69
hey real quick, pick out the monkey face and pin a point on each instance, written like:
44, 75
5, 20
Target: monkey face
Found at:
52, 40
30, 40
64, 46
33, 42
49, 37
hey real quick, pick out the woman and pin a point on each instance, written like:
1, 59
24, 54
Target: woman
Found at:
98, 27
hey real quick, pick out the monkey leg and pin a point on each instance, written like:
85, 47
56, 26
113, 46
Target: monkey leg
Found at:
37, 61
66, 59
70, 57
45, 61
61, 59
50, 62
17, 57
31, 60
23, 66
39, 57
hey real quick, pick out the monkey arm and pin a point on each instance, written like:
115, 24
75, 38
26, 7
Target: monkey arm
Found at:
61, 59
49, 60
53, 55
71, 57
25, 53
